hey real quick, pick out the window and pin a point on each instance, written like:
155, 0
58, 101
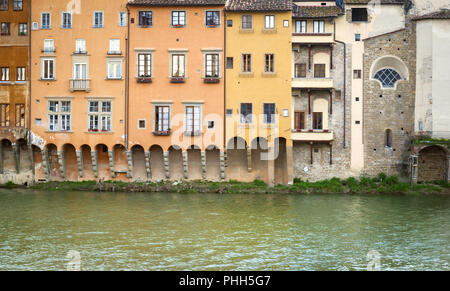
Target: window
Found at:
20, 115
80, 71
269, 113
145, 65
99, 116
114, 69
388, 77
21, 74
178, 66
122, 19
285, 23
49, 46
80, 46
356, 74
229, 63
5, 74
23, 29
230, 23
269, 21
45, 20
247, 22
98, 19
4, 115
246, 63
114, 47
388, 138
162, 118
246, 112
193, 119
17, 5
317, 120
319, 70
4, 4
6, 28
212, 66
48, 69
212, 18
145, 18
299, 121
300, 70
300, 26
268, 63
59, 115
141, 124
359, 14
178, 18
319, 26
66, 20
357, 37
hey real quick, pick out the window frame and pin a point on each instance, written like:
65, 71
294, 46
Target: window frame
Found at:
246, 118
320, 68
271, 18
196, 128
99, 25
299, 120
148, 65
60, 116
100, 114
15, 7
317, 119
216, 66
184, 67
178, 24
5, 115
43, 66
247, 22
140, 24
156, 116
267, 108
320, 27
21, 74
246, 63
219, 12
49, 25
125, 19
296, 71
4, 5
19, 120
23, 29
77, 50
110, 62
63, 19
301, 26
5, 74
7, 31
269, 64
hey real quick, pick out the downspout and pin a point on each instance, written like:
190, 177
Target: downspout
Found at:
224, 79
345, 84
127, 80
29, 73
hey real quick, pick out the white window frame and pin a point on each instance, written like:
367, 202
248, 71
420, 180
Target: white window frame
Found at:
60, 115
62, 19
303, 26
178, 52
149, 52
100, 114
77, 76
212, 52
269, 21
159, 104
110, 62
200, 125
124, 19
80, 48
102, 25
49, 49
49, 26
43, 60
114, 46
5, 74
319, 26
21, 74
185, 18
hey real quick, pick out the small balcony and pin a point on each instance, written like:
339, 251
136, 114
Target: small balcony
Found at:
313, 83
211, 80
143, 79
177, 80
312, 135
80, 85
312, 38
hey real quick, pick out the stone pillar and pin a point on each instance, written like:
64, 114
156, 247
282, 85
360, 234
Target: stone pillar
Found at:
249, 159
147, 165
112, 167
62, 163
45, 164
16, 150
222, 166
129, 164
30, 149
290, 164
80, 163
414, 163
166, 164
203, 156
1, 157
185, 164
94, 163
271, 167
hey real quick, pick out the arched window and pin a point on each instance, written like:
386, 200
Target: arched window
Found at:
388, 77
388, 138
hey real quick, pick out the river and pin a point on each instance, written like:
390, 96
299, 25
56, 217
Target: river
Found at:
163, 231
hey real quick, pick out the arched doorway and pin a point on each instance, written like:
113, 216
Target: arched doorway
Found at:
70, 161
157, 163
432, 164
103, 170
86, 156
237, 166
194, 163
260, 162
176, 163
139, 170
212, 163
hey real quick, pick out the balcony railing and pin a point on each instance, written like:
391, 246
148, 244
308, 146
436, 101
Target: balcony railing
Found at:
80, 85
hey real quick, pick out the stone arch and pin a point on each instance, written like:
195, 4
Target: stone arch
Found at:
103, 169
86, 158
120, 161
195, 169
139, 169
157, 163
176, 163
70, 163
24, 155
320, 105
237, 165
7, 157
433, 164
389, 66
39, 173
54, 170
281, 171
212, 154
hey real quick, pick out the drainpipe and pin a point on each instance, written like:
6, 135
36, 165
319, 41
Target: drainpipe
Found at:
127, 80
345, 83
224, 79
29, 73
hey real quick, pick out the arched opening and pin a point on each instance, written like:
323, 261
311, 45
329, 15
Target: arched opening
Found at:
120, 162
388, 138
53, 162
70, 161
103, 170
281, 173
212, 163
237, 167
432, 164
260, 163
24, 156
194, 163
157, 163
86, 156
139, 170
9, 164
39, 173
388, 70
176, 163
387, 77
320, 114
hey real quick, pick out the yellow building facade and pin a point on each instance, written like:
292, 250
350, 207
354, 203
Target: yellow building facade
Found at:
258, 91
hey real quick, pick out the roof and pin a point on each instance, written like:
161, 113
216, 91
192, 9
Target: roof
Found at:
316, 11
441, 14
259, 5
176, 2
359, 2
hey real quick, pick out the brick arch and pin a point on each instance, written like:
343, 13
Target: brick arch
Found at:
433, 164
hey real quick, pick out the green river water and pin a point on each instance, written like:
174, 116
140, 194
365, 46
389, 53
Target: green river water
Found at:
163, 231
